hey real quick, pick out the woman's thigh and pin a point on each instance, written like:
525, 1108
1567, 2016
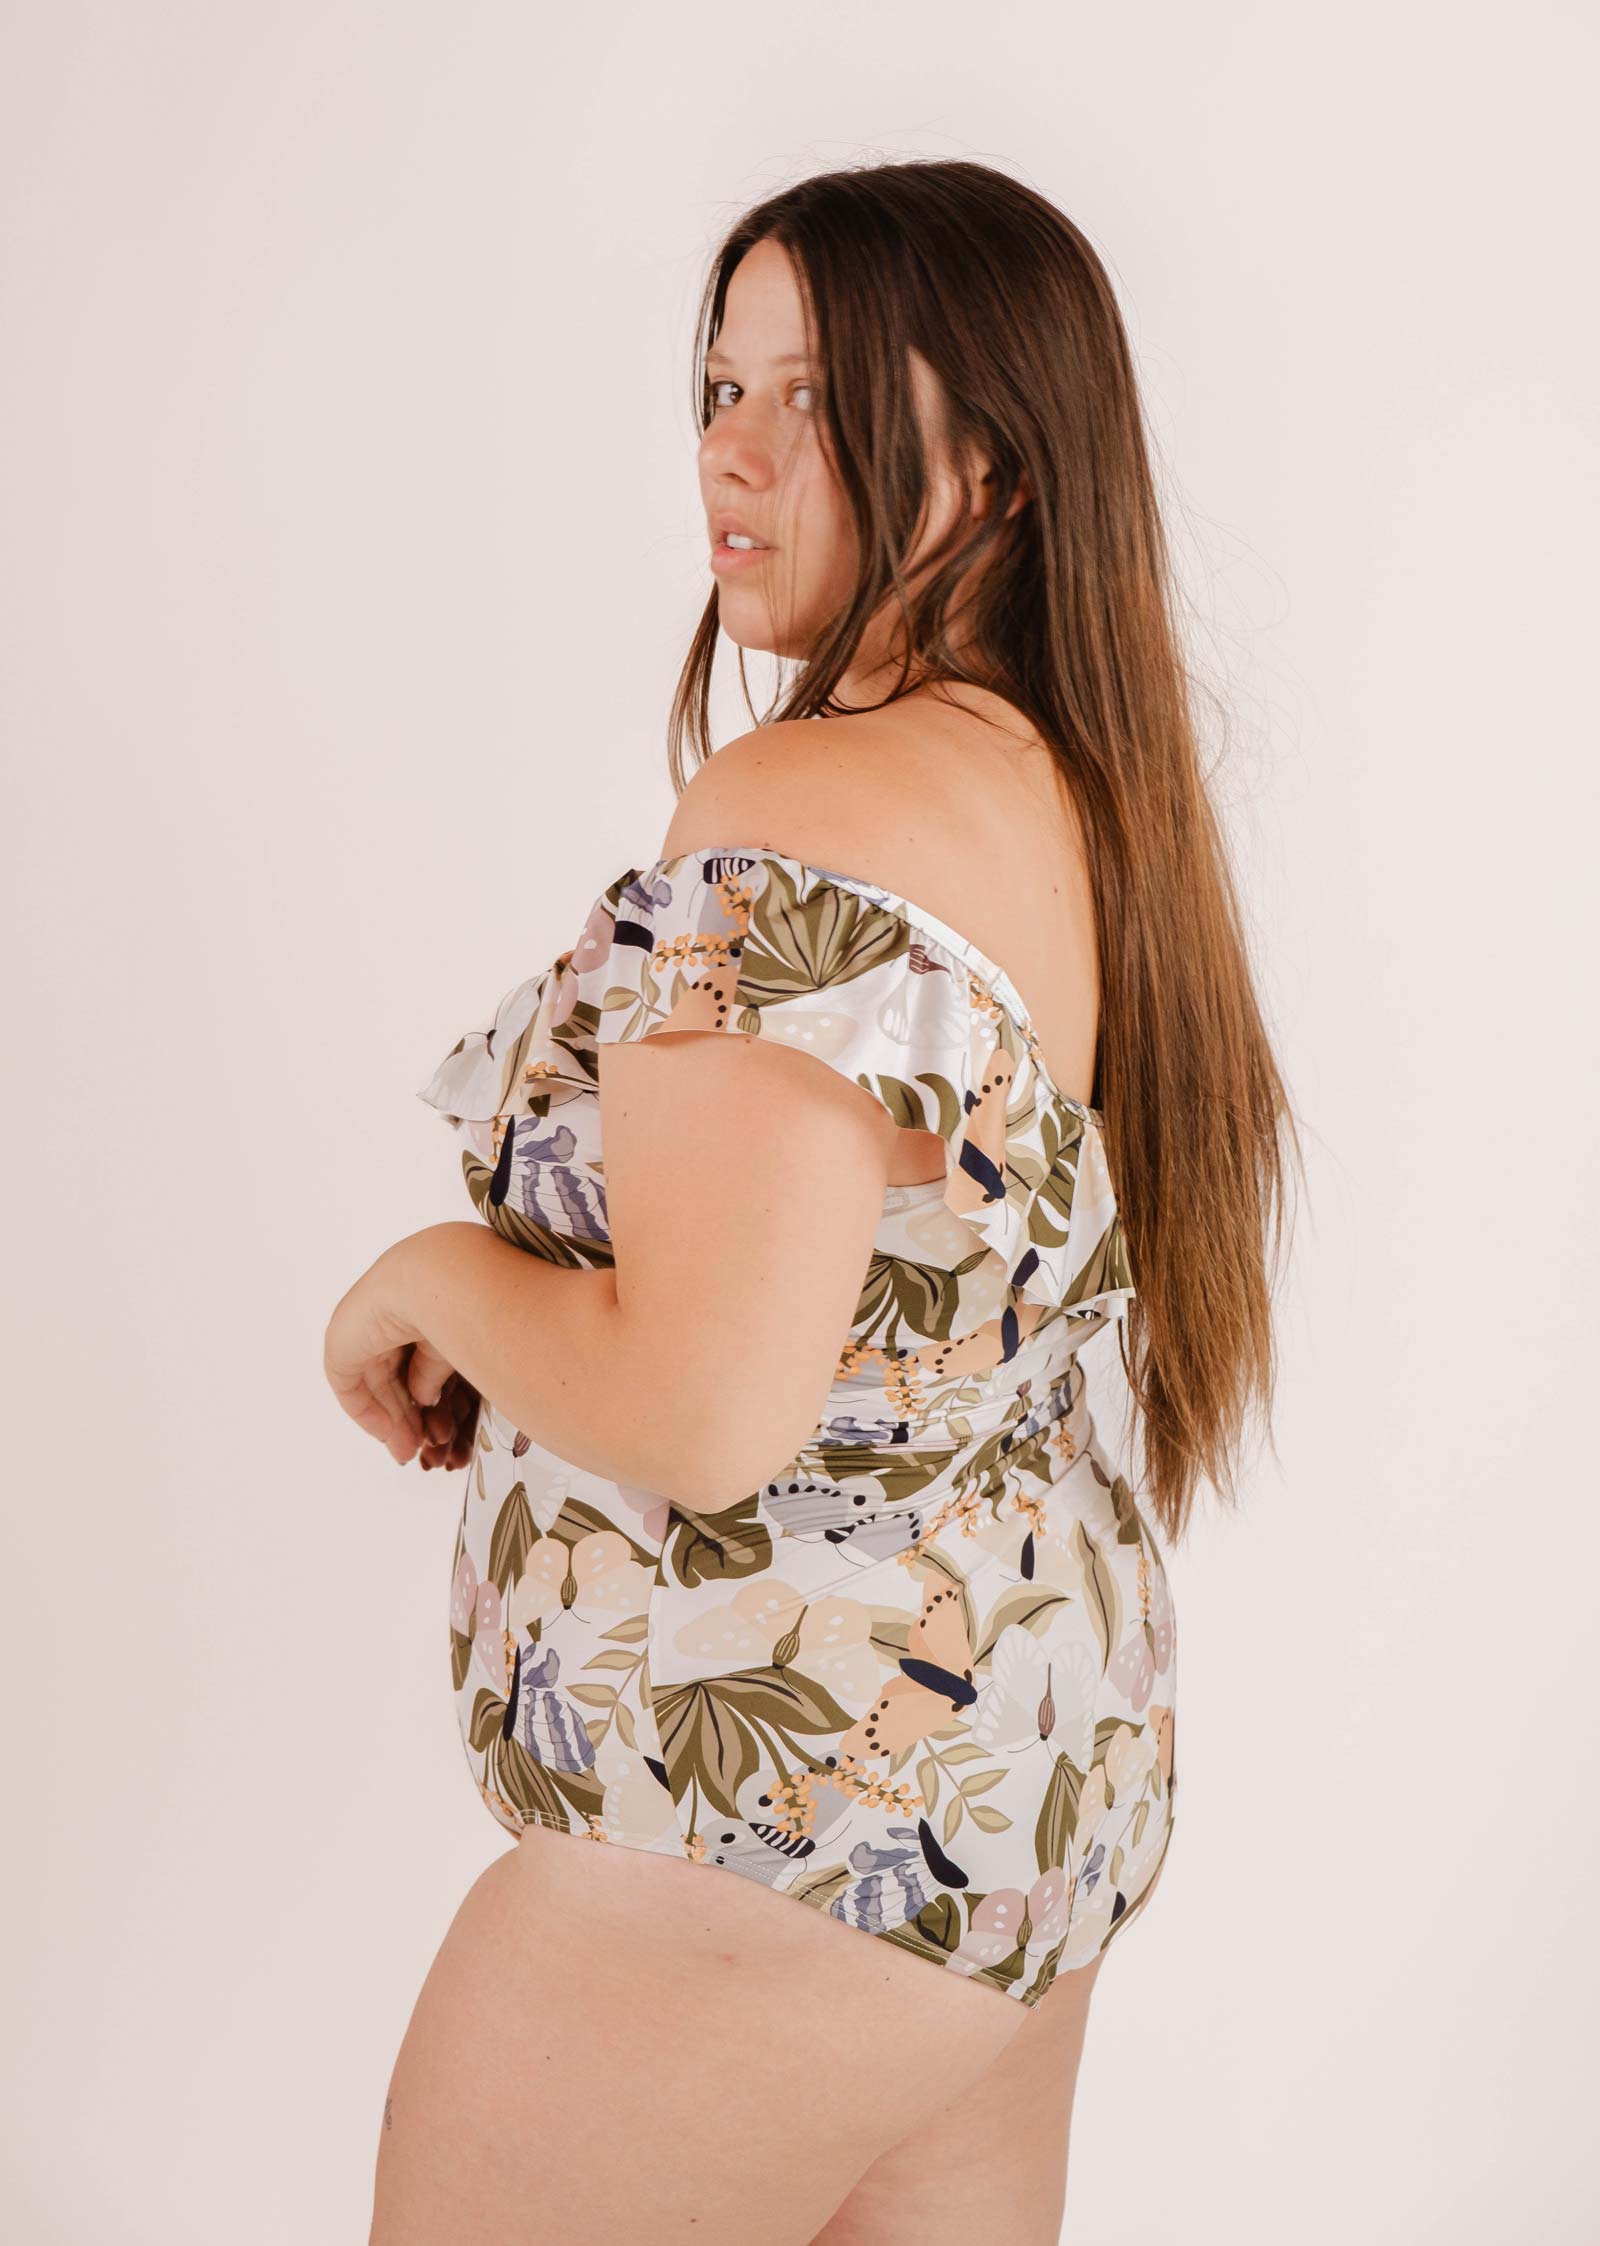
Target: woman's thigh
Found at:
614, 2046
992, 2164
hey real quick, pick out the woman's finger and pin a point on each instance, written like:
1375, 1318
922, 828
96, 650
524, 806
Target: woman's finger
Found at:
428, 1374
389, 1389
452, 1448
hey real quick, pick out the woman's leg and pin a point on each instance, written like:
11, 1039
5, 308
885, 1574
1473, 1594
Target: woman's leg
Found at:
993, 2163
613, 2046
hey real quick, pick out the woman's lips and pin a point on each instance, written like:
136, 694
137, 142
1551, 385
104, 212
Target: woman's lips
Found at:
728, 560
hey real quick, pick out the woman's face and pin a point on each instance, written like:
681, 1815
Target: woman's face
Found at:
763, 464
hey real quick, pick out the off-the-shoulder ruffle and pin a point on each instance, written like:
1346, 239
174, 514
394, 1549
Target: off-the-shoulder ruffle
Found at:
745, 938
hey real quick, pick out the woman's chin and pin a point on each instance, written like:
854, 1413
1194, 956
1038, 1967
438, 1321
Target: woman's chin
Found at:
752, 630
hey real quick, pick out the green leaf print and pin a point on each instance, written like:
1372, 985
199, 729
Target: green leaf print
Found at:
512, 1541
1101, 1595
578, 1518
1058, 1819
703, 1743
933, 1933
928, 1784
1107, 1268
890, 1633
1130, 1522
708, 1728
909, 1108
1002, 1975
795, 948
940, 1921
524, 1783
612, 1657
488, 1714
918, 1296
1050, 1210
718, 1547
820, 1887
784, 1698
581, 1790
1031, 1606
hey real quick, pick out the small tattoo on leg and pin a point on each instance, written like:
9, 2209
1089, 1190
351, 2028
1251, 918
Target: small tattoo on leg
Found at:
388, 2113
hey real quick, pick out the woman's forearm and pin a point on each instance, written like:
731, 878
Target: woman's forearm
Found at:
551, 1349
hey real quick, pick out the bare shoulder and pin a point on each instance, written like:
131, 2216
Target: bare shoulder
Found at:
942, 804
806, 787
963, 811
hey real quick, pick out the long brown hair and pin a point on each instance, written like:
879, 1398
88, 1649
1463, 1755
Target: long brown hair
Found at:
1074, 622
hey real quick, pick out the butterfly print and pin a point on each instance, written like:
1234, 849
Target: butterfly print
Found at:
934, 1684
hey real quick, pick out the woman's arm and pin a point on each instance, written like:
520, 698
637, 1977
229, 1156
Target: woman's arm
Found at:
744, 1184
549, 1348
744, 1187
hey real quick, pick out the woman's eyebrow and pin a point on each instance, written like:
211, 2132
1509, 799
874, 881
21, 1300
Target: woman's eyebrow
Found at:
715, 357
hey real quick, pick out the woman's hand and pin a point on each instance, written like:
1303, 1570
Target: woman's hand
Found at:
391, 1381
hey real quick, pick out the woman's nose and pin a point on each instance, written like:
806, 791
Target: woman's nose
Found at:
731, 447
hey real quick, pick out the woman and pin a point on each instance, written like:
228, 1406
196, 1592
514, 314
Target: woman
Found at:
766, 1568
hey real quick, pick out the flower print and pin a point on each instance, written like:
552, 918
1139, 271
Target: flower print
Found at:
593, 947
478, 1612
596, 1577
638, 1806
740, 1631
994, 1932
1038, 1691
1061, 1551
646, 1512
1094, 1799
1129, 1759
547, 1481
765, 1622
1006, 1919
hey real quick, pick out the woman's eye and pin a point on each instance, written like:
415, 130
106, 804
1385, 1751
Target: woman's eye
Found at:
727, 383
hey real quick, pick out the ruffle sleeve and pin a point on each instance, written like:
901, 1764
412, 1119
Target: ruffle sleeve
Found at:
749, 940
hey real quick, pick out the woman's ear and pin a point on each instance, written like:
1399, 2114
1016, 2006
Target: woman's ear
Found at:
1022, 496
981, 472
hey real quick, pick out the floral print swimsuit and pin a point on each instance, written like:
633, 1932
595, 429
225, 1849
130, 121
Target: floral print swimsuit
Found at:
923, 1679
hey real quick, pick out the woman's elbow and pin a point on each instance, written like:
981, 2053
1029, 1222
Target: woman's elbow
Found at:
714, 1448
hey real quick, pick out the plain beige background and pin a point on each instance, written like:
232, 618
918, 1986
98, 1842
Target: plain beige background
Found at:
350, 543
